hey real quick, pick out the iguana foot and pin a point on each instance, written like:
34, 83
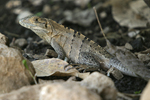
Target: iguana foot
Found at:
115, 72
81, 67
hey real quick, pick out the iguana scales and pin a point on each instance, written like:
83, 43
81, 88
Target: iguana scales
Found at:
76, 47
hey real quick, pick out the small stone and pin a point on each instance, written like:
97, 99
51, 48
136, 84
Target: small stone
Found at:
51, 53
3, 39
23, 14
128, 46
52, 91
40, 56
133, 33
67, 91
21, 42
101, 83
145, 94
103, 14
13, 3
46, 9
81, 3
36, 2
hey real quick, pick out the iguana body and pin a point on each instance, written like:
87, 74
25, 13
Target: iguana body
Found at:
73, 45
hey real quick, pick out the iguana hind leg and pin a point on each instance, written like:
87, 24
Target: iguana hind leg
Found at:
86, 62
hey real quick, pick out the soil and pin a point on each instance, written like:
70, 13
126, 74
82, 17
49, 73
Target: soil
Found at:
10, 27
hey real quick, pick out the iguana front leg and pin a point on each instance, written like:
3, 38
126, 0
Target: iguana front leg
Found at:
86, 61
59, 50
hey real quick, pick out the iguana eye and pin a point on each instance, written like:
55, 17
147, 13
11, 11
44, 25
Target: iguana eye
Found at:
36, 19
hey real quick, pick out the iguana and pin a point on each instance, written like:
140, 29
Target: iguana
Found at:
78, 48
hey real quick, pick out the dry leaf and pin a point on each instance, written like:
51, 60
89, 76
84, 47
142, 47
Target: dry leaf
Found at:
130, 13
143, 57
84, 18
55, 67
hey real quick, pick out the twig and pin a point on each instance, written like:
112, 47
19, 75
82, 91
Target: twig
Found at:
99, 23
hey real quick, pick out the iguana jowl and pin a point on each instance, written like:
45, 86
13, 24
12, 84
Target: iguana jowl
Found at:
73, 45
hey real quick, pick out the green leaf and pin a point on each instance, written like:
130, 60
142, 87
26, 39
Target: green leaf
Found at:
137, 92
89, 6
39, 14
25, 64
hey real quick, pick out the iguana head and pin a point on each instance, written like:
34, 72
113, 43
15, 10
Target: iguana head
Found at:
38, 25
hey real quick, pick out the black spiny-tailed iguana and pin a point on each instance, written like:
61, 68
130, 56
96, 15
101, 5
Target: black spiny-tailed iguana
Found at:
76, 47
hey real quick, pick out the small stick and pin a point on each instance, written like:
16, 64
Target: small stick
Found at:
99, 23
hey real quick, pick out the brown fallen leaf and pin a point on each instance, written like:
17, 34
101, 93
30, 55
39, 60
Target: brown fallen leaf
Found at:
84, 18
130, 13
144, 55
55, 67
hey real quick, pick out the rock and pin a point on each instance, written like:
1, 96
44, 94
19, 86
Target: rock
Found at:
13, 3
23, 14
13, 73
67, 91
101, 84
51, 53
52, 91
36, 2
128, 46
21, 42
133, 33
3, 39
81, 3
46, 9
24, 93
103, 15
145, 94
